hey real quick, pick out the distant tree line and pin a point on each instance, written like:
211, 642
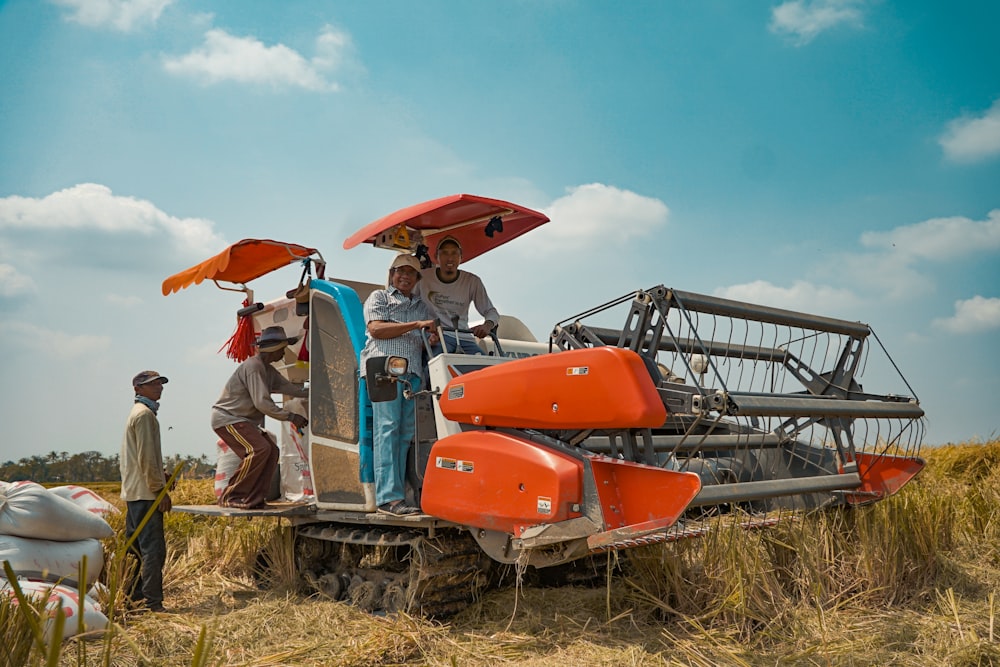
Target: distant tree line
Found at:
91, 467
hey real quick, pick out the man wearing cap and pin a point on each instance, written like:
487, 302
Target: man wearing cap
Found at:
143, 478
449, 292
394, 317
238, 419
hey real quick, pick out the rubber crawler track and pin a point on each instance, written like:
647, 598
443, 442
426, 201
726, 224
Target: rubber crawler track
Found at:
394, 569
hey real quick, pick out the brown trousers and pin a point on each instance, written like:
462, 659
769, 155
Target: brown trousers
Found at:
251, 481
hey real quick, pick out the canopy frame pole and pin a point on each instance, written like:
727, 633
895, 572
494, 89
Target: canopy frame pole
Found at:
464, 223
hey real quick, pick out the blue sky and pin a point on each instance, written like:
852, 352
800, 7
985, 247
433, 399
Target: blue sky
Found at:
836, 156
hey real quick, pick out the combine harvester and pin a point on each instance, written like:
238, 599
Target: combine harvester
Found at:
650, 418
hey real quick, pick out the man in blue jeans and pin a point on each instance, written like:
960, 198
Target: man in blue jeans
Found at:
143, 478
394, 317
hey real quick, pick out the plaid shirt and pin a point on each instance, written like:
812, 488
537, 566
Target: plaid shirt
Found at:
389, 305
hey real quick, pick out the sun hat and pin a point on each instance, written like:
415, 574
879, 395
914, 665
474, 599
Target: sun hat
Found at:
273, 339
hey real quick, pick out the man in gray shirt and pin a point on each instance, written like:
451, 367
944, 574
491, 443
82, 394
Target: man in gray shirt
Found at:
238, 419
449, 292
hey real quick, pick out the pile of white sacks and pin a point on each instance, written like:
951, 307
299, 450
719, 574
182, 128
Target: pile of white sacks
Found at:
44, 536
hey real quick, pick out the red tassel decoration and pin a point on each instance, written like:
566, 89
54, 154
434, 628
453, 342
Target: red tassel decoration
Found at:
304, 350
240, 345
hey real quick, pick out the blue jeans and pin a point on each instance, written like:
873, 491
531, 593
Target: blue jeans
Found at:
150, 548
393, 424
468, 345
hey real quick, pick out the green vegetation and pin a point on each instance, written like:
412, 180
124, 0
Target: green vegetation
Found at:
63, 468
912, 580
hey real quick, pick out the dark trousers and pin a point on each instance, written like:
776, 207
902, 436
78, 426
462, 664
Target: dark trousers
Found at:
150, 548
251, 481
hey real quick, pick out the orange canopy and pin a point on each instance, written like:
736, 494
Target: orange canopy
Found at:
240, 263
465, 217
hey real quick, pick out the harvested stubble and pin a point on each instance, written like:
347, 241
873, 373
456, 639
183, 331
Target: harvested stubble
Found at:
910, 581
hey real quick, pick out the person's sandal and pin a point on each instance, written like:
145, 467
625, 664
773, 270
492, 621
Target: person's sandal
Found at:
398, 508
407, 508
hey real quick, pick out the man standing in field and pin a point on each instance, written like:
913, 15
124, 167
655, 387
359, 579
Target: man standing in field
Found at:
143, 478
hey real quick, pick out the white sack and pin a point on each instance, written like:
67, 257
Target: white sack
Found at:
85, 498
60, 596
226, 463
46, 559
296, 480
30, 510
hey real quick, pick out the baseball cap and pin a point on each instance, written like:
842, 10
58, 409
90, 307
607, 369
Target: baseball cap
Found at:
146, 377
406, 260
448, 240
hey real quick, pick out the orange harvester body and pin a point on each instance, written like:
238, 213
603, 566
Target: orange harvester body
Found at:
505, 482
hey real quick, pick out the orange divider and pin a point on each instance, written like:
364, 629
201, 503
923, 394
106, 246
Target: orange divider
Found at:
638, 499
883, 475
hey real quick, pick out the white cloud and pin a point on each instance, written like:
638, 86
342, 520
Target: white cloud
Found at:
333, 49
897, 262
586, 216
893, 275
803, 20
972, 316
939, 239
224, 57
969, 139
801, 296
123, 15
53, 344
93, 207
14, 283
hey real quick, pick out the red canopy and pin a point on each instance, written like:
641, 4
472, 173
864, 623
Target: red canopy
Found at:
463, 216
240, 263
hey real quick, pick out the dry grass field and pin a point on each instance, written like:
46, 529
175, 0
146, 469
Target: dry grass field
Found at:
910, 581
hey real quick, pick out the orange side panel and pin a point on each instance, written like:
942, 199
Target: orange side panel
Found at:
498, 482
239, 263
883, 475
602, 387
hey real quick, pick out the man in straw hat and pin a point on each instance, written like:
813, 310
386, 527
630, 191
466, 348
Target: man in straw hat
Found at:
143, 478
238, 419
394, 318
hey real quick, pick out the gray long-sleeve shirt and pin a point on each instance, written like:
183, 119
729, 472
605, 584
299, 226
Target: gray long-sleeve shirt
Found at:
247, 395
451, 300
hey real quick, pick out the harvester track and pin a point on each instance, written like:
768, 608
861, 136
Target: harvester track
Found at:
393, 569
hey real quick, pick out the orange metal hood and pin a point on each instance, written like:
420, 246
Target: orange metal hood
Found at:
239, 263
463, 216
601, 387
